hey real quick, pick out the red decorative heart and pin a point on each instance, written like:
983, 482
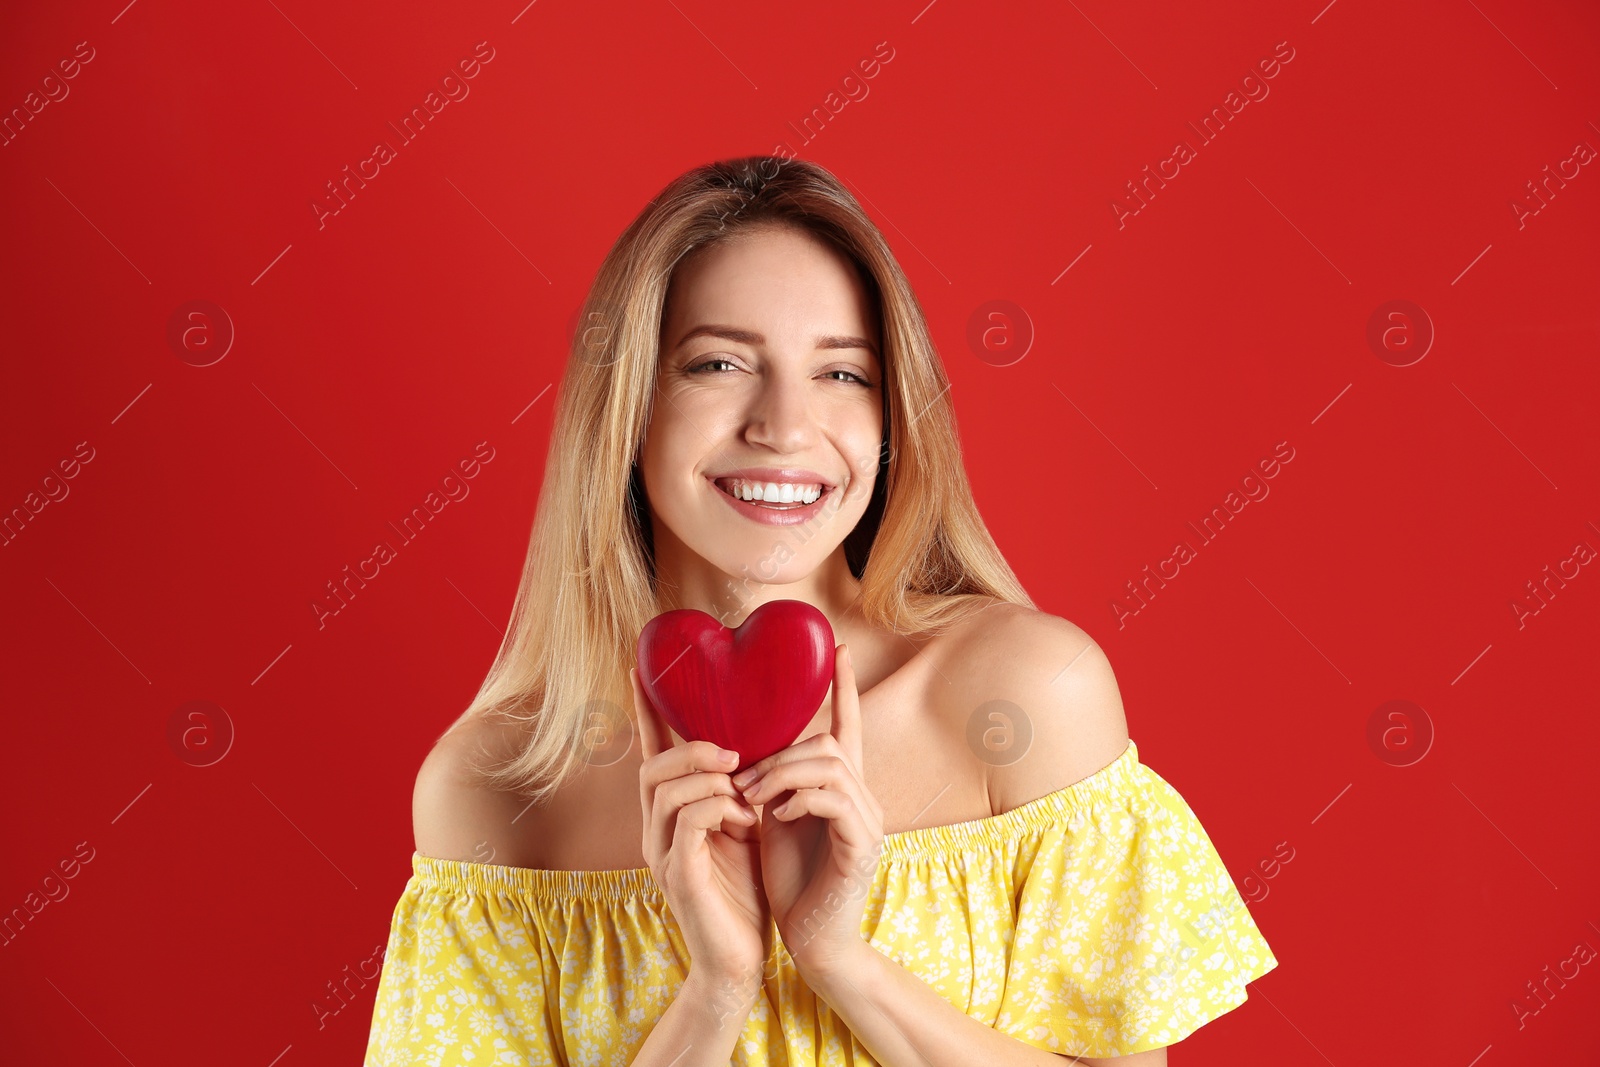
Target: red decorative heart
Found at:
752, 688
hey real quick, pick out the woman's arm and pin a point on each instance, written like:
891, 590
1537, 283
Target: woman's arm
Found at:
902, 1022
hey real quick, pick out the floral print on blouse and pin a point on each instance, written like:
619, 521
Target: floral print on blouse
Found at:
1097, 920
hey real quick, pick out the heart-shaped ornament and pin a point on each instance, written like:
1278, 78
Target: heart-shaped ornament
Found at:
752, 688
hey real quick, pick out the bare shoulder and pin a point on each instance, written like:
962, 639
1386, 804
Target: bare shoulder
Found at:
454, 816
1069, 719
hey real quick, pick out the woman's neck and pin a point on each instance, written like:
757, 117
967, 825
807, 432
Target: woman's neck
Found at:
831, 589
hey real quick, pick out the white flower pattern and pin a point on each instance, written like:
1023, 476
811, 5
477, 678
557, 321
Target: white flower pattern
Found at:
1097, 920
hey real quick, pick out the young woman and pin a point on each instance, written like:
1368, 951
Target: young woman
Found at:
961, 860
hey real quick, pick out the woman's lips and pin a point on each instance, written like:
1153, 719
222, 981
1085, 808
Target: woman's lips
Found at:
775, 514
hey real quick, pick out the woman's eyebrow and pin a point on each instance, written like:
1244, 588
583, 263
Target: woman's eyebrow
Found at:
750, 337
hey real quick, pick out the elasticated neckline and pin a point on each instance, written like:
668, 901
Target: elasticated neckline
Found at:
1043, 811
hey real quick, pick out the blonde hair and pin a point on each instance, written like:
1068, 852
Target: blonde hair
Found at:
921, 551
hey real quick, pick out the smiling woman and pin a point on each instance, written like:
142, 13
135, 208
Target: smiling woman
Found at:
757, 412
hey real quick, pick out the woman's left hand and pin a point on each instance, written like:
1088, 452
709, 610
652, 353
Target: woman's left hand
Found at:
819, 854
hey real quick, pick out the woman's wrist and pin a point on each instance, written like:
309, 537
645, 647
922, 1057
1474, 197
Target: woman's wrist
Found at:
728, 996
824, 978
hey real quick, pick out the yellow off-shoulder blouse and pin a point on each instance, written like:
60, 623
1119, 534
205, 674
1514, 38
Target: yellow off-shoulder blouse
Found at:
1097, 920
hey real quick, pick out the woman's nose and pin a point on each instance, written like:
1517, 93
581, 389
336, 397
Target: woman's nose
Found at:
781, 418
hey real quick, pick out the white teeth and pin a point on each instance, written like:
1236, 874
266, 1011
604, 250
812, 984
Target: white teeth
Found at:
773, 492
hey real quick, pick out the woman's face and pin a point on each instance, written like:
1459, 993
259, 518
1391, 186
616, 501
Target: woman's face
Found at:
768, 377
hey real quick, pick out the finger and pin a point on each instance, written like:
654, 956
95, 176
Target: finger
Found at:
672, 799
846, 724
668, 797
649, 739
845, 822
710, 812
828, 772
655, 737
745, 832
812, 747
694, 821
823, 770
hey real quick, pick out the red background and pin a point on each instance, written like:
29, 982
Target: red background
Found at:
374, 353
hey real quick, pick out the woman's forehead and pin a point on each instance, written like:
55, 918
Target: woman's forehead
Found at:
785, 288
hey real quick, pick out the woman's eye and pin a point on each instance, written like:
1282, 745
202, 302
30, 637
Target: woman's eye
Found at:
706, 366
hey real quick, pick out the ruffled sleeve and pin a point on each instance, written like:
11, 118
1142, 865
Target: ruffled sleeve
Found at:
1129, 933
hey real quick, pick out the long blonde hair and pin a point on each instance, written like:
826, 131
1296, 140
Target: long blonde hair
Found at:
921, 551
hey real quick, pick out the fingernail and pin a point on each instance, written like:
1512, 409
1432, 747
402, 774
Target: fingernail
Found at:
745, 777
727, 755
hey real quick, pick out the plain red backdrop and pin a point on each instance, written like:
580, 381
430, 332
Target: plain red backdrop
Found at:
1172, 349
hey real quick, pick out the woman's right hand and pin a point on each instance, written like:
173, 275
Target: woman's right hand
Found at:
701, 842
